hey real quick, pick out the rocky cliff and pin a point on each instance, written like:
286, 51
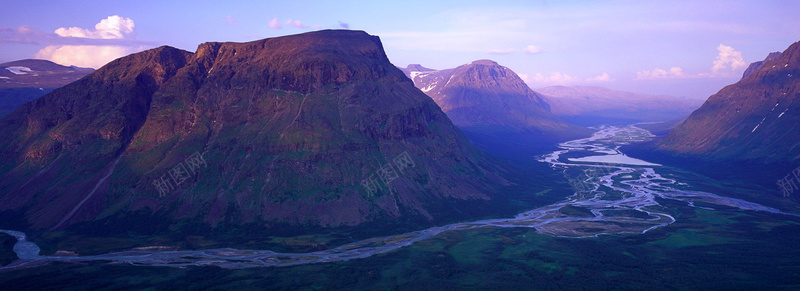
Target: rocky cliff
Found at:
310, 130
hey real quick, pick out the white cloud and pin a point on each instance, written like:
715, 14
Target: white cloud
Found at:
113, 27
96, 54
274, 24
477, 40
532, 49
600, 78
727, 60
24, 29
673, 73
554, 78
558, 78
296, 23
230, 20
84, 55
501, 51
465, 30
27, 35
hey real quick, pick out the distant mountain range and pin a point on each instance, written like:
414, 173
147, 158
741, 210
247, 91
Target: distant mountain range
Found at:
754, 120
484, 96
302, 131
24, 80
588, 106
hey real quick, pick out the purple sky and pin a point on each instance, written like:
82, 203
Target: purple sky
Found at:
681, 48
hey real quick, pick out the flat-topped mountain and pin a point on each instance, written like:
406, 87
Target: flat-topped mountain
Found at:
311, 130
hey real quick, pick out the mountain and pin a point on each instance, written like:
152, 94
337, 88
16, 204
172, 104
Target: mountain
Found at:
753, 120
25, 80
415, 68
485, 96
38, 73
755, 65
587, 105
316, 130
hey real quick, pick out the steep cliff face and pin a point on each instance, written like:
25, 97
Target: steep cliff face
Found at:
316, 129
484, 94
754, 119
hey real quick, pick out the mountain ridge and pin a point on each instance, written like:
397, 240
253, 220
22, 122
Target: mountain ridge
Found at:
484, 95
599, 104
24, 80
38, 73
755, 65
749, 120
289, 129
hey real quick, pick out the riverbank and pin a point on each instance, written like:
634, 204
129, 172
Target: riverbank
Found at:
7, 254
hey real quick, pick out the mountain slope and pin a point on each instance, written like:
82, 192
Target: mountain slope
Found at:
587, 105
754, 120
25, 80
484, 95
310, 130
755, 65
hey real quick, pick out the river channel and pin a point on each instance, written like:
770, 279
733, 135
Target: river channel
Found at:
614, 194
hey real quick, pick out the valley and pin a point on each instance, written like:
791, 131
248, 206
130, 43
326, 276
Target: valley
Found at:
415, 145
621, 200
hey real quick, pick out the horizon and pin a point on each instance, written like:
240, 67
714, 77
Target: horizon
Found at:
681, 49
298, 146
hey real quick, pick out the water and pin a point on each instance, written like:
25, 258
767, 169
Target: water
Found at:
23, 248
609, 199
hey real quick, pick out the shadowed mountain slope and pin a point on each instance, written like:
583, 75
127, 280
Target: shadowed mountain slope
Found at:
310, 130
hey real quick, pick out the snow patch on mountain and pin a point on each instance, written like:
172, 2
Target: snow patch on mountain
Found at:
19, 70
779, 116
430, 87
759, 124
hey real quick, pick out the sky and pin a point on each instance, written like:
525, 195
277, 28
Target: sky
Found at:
682, 48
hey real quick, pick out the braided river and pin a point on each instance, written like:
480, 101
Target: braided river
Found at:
613, 194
